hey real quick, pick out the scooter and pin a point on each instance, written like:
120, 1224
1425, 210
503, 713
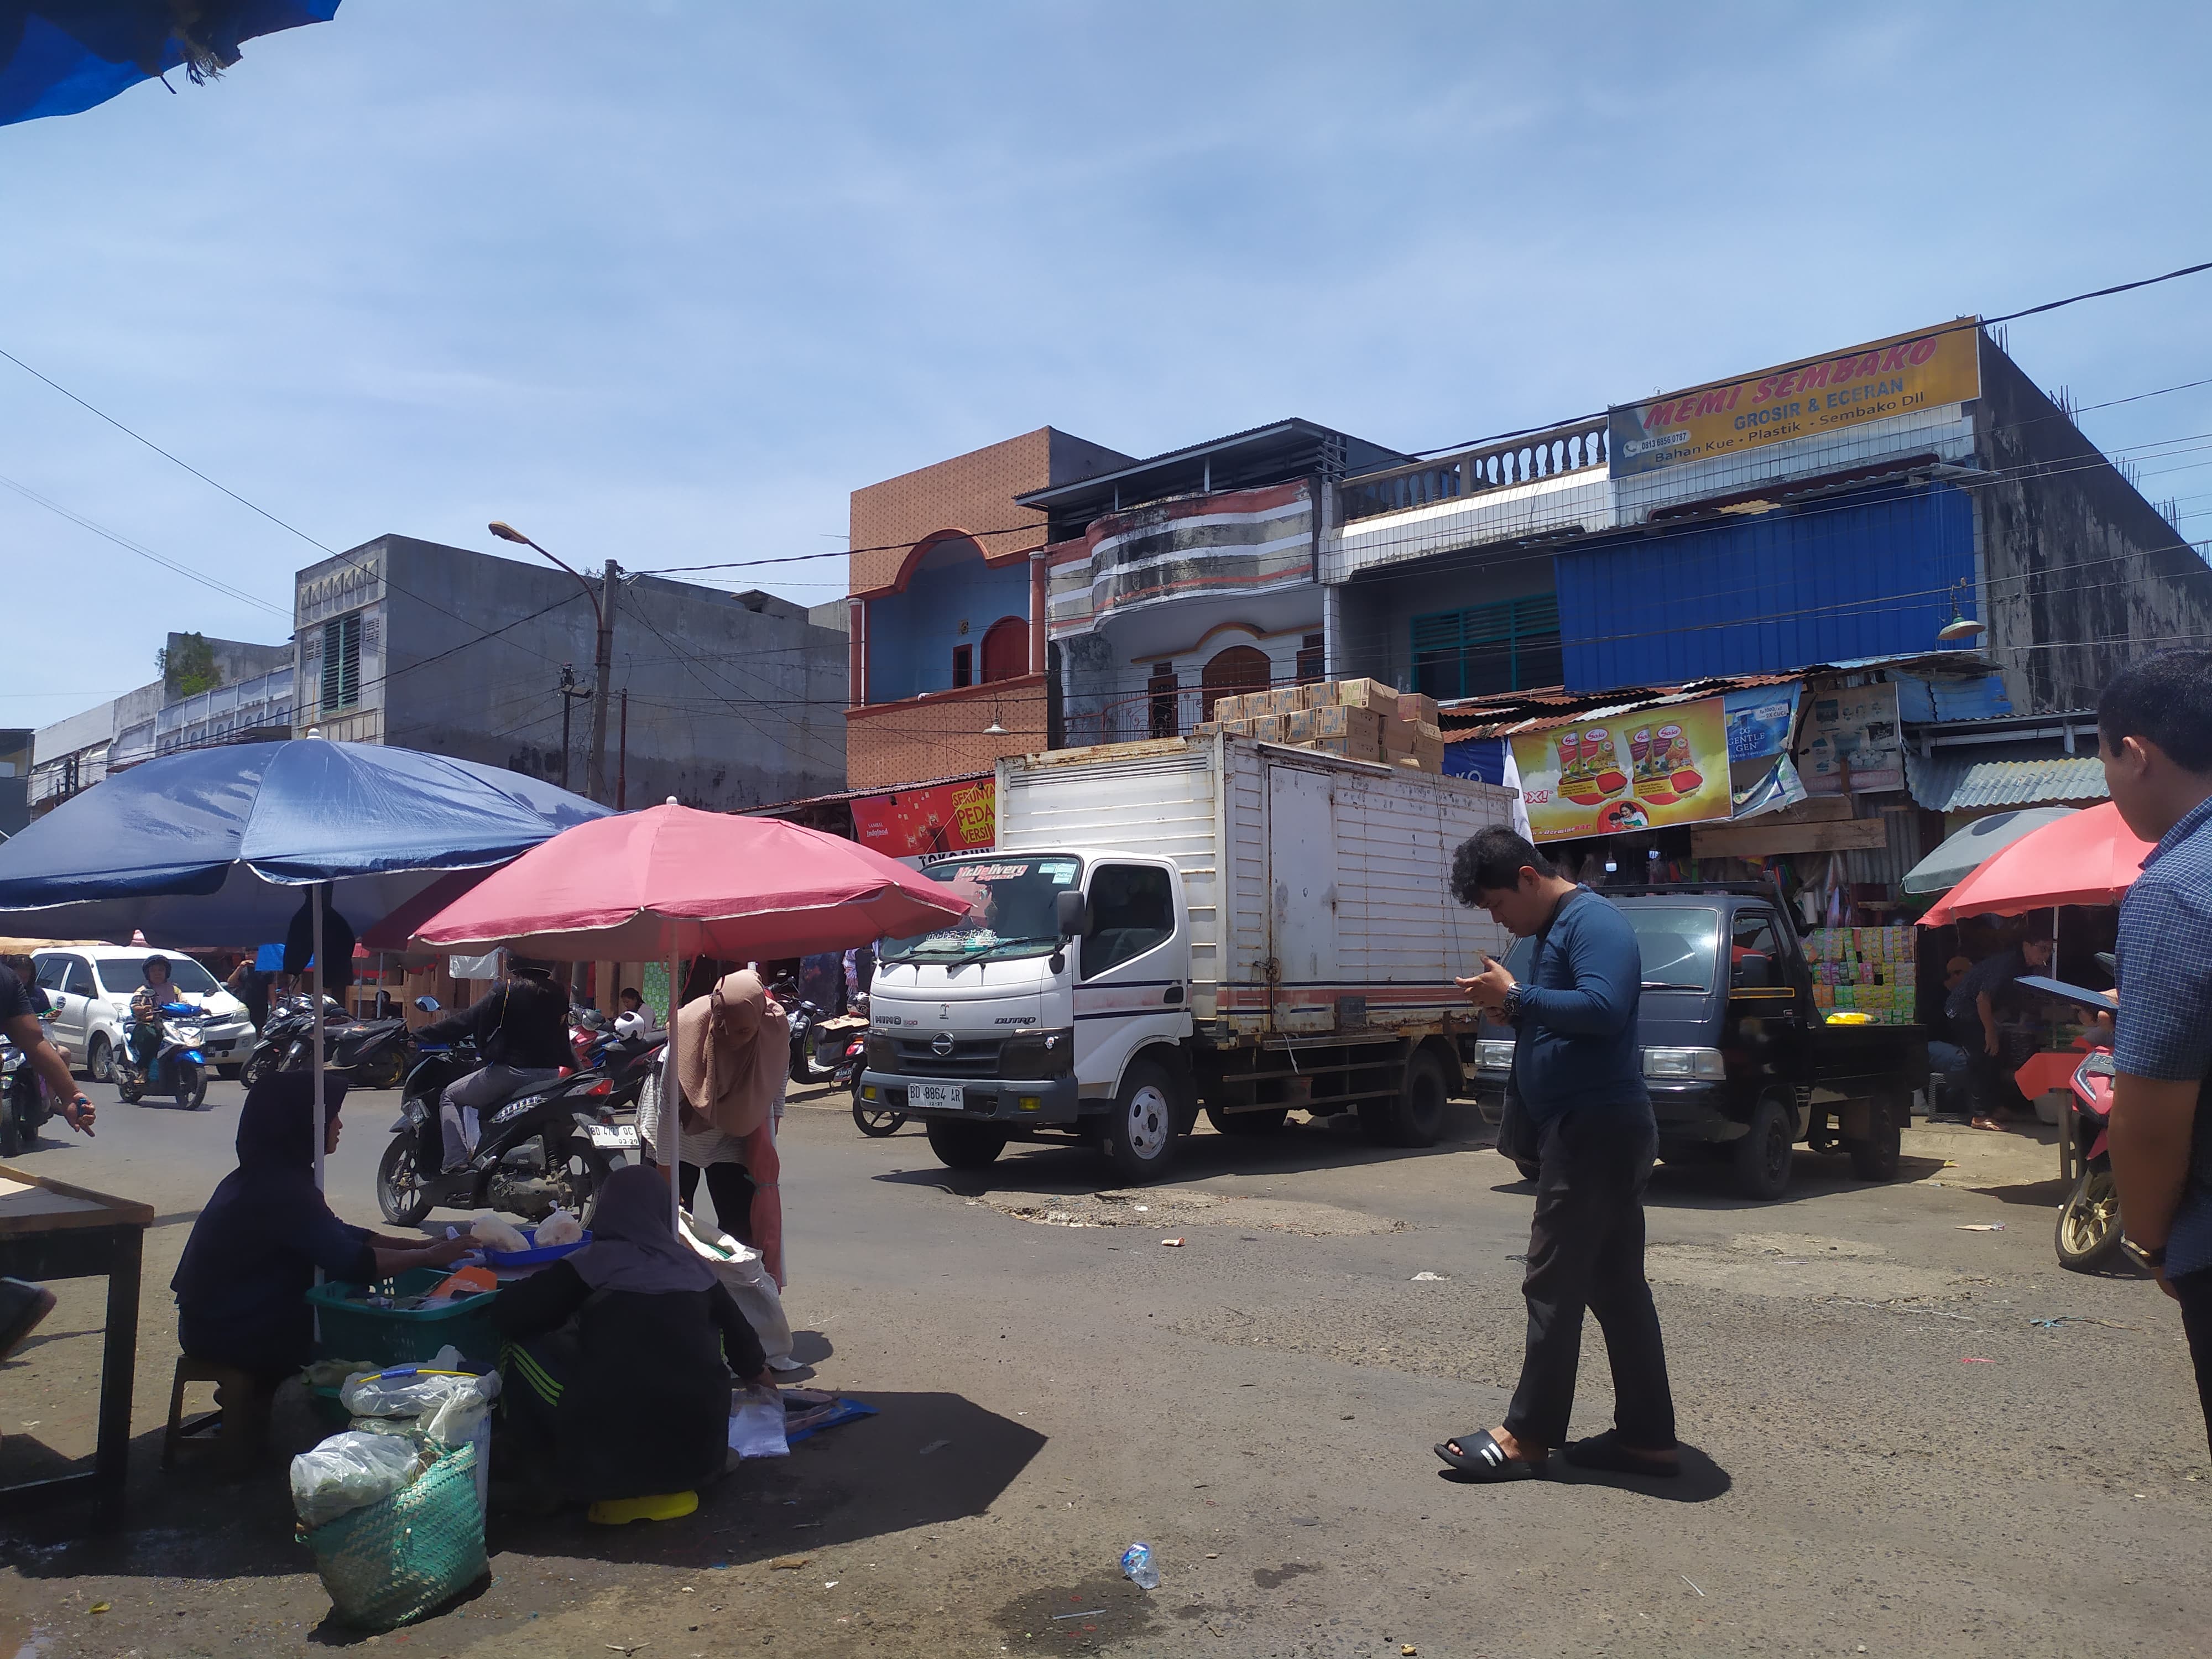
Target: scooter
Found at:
177, 1064
287, 1043
378, 1052
24, 1105
551, 1144
2089, 1230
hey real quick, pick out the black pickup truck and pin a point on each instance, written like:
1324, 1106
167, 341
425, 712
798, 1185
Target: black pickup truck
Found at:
1742, 1065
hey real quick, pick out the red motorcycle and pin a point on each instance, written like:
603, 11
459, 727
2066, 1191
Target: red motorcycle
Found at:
2087, 1234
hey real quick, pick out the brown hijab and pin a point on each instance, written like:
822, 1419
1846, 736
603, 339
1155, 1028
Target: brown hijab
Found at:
731, 1047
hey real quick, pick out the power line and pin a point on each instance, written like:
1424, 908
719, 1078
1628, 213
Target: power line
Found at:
125, 543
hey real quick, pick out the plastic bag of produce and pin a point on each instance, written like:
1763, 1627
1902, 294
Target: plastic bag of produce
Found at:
349, 1471
558, 1229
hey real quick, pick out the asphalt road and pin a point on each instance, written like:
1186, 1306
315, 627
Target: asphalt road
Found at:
1886, 1456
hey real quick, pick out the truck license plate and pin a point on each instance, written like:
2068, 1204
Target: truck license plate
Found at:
934, 1098
620, 1135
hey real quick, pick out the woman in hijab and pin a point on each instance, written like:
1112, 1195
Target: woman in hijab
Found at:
733, 1062
241, 1286
618, 1357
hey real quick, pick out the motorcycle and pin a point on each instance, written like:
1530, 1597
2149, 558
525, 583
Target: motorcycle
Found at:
24, 1105
2089, 1230
288, 1038
378, 1052
873, 1118
161, 1054
624, 1050
551, 1144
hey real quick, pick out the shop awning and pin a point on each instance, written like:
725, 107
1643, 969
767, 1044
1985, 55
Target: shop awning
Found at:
1970, 781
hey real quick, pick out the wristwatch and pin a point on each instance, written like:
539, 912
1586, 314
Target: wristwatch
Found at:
1509, 1010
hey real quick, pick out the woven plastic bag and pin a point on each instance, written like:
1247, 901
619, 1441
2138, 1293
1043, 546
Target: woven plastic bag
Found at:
746, 1277
397, 1559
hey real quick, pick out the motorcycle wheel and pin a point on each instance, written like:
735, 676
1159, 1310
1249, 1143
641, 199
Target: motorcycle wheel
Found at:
2087, 1234
130, 1087
258, 1065
876, 1121
11, 1131
192, 1086
401, 1193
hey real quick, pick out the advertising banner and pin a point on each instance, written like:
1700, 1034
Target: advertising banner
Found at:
1657, 766
947, 817
1866, 383
1761, 722
1851, 732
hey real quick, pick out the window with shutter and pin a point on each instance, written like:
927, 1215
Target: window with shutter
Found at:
341, 661
1510, 645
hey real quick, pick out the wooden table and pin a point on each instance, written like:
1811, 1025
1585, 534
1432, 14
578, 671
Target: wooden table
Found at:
50, 1230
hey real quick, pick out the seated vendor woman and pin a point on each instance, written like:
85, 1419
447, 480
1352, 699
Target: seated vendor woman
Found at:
616, 1384
242, 1286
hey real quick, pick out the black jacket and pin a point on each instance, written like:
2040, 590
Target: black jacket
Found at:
523, 1021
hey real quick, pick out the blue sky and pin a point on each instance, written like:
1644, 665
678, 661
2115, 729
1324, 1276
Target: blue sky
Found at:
663, 281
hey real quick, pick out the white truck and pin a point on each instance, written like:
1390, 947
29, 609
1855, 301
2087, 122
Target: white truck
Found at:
1214, 921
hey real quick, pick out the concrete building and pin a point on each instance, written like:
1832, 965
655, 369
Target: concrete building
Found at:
732, 700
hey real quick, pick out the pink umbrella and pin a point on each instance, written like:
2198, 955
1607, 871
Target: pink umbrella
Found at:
674, 882
2088, 858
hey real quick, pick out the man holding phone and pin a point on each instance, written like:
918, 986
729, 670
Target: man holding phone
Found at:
1579, 1080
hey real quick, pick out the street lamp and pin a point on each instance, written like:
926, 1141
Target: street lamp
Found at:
595, 771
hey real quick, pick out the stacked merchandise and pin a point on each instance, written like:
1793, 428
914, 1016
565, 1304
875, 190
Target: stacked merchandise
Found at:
1360, 719
1872, 970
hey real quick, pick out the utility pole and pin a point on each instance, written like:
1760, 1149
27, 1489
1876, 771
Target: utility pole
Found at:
569, 692
595, 775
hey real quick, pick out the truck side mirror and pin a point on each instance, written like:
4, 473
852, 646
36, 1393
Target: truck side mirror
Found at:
1753, 971
1072, 915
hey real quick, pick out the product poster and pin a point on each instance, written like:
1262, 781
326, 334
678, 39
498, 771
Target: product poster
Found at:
1659, 765
948, 817
1851, 731
1760, 722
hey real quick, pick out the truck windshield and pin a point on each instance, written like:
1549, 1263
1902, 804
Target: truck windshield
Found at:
1680, 944
1010, 910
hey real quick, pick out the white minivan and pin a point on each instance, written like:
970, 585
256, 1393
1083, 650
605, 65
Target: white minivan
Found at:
91, 987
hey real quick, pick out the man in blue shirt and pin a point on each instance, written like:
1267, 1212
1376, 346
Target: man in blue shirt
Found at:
1578, 1079
2154, 732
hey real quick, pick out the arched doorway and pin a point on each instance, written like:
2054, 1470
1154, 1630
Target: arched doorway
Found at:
1005, 649
1229, 673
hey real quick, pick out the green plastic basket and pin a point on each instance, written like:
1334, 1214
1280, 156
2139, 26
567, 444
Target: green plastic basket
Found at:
402, 1556
348, 1328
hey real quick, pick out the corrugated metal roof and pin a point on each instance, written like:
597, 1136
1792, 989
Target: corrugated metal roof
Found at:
1958, 782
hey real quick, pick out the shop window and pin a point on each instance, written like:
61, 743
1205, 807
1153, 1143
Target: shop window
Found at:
964, 665
1005, 649
341, 661
1510, 645
1132, 911
1313, 661
1161, 689
1230, 673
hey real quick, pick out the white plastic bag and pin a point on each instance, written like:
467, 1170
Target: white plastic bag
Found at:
756, 1424
350, 1471
747, 1279
493, 1234
557, 1229
440, 1407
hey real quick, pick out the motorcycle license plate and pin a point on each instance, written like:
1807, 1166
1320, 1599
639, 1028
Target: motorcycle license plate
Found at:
619, 1135
934, 1098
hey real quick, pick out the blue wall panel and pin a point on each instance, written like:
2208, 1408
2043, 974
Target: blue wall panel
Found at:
1831, 581
911, 634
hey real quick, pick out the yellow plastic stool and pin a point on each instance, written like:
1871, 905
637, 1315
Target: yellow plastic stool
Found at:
667, 1506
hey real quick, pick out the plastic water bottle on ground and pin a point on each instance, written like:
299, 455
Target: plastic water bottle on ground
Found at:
1137, 1566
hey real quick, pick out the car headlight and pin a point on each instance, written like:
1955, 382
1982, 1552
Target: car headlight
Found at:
1680, 1065
1493, 1054
1037, 1054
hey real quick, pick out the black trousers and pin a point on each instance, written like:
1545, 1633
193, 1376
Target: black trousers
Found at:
1586, 1251
731, 1188
2195, 1291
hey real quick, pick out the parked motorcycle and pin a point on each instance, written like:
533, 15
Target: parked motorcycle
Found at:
549, 1145
161, 1054
287, 1043
24, 1105
378, 1052
2089, 1231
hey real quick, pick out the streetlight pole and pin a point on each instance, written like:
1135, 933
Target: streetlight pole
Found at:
603, 617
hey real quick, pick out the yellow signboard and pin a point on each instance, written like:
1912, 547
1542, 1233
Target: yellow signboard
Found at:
1871, 382
1638, 771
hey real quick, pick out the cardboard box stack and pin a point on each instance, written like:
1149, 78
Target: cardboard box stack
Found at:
1361, 719
1873, 969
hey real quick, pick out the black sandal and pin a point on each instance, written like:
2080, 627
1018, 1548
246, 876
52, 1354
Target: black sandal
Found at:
1481, 1458
1606, 1452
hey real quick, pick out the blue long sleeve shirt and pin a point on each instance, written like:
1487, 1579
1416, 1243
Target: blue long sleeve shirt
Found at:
1576, 1038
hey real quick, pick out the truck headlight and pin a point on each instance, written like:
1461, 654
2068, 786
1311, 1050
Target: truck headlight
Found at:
1681, 1065
1037, 1054
1493, 1054
882, 1052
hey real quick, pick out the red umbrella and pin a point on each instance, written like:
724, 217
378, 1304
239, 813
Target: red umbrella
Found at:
674, 882
2088, 858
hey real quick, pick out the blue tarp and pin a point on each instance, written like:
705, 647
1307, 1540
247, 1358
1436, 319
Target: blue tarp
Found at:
209, 848
63, 57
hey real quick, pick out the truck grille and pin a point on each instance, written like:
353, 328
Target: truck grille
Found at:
970, 1057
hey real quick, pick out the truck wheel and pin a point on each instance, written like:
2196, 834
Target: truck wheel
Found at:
1877, 1157
1416, 1118
1763, 1157
965, 1146
1248, 1123
1140, 1131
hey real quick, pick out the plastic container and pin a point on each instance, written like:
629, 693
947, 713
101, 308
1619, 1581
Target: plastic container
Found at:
534, 1257
347, 1328
1138, 1568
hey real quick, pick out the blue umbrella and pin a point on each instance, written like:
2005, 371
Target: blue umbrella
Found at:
211, 847
62, 56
